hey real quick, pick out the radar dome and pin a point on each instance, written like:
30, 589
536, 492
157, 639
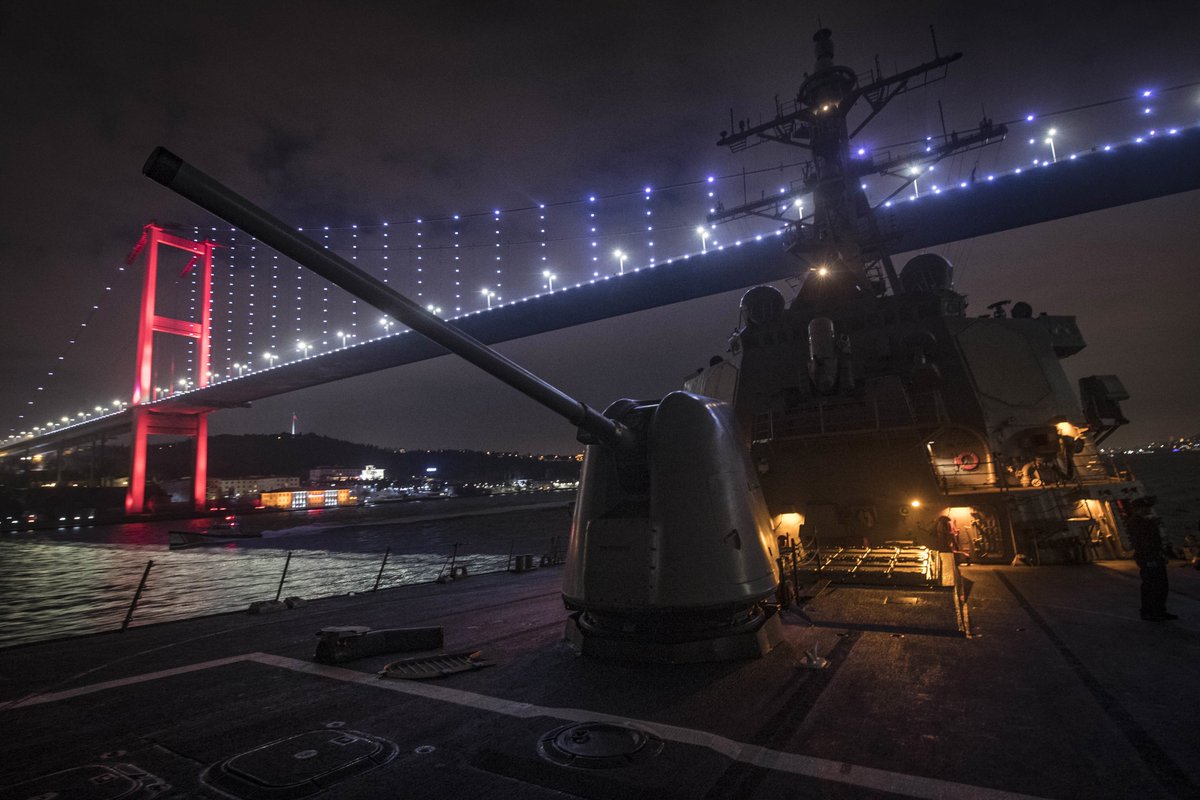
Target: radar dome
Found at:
927, 272
762, 305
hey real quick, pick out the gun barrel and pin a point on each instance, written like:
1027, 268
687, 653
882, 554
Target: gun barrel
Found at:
179, 176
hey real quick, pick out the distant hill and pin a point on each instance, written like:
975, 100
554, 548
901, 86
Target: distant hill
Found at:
232, 456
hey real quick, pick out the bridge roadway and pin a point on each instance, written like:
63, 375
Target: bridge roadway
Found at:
1164, 165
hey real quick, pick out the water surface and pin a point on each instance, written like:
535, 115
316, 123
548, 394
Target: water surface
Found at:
59, 583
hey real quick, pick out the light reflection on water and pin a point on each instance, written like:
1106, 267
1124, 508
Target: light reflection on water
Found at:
61, 583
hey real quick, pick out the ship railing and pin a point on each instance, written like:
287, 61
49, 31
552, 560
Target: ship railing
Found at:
991, 475
955, 479
1101, 467
193, 585
833, 416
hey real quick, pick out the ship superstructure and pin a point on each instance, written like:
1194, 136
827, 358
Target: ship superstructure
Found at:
879, 412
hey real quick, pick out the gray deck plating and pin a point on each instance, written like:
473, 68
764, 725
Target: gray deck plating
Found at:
1064, 692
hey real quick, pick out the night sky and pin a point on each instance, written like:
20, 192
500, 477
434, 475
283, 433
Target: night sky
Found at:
336, 113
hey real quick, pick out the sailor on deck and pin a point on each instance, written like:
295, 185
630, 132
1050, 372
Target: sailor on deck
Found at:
1150, 557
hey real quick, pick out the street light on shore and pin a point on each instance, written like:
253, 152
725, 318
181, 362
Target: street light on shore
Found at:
488, 294
702, 232
549, 276
270, 357
304, 347
620, 255
1050, 141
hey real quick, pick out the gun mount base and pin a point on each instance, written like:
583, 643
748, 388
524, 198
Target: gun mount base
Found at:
753, 637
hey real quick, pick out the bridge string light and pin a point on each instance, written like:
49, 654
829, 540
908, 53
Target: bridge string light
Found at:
251, 304
541, 238
37, 399
223, 311
499, 268
273, 340
191, 275
377, 241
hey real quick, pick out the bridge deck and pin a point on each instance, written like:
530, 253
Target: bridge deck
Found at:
1130, 173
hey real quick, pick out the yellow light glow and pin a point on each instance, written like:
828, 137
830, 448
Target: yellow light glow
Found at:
961, 515
822, 271
791, 520
1067, 429
915, 504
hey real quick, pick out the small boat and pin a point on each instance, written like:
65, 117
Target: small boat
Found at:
230, 531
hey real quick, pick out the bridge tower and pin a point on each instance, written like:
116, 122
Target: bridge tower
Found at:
179, 420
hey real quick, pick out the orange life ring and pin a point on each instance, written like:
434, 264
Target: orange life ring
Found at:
967, 461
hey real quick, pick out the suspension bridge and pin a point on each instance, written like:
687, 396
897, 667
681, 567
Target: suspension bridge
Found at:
236, 322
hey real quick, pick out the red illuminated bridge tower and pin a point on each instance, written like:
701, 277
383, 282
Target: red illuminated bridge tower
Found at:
179, 420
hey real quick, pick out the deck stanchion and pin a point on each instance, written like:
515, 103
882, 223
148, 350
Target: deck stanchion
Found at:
379, 577
795, 576
283, 577
137, 596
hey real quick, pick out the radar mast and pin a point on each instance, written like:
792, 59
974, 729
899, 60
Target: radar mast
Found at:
840, 234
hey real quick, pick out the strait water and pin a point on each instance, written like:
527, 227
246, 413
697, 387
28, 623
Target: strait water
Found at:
66, 582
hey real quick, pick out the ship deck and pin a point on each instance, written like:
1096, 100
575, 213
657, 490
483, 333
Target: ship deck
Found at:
1061, 691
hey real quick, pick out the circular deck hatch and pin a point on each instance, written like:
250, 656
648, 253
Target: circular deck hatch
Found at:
599, 745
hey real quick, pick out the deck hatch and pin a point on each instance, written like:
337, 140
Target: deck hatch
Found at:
300, 765
599, 745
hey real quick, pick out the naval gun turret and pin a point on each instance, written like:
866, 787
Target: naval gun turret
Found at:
672, 555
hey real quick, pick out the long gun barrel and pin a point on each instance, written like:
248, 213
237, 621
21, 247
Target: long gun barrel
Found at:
174, 173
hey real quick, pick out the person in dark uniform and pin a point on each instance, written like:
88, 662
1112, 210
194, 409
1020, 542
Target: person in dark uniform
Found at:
945, 537
1150, 557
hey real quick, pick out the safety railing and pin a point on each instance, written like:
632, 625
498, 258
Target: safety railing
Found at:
829, 416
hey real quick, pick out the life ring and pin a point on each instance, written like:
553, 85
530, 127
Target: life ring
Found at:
967, 461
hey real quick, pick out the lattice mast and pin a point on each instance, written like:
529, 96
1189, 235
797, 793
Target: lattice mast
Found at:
840, 233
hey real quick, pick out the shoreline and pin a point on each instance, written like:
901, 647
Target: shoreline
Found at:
405, 512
